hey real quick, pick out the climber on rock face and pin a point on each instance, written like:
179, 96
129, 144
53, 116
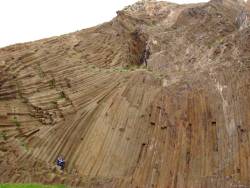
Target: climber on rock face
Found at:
60, 162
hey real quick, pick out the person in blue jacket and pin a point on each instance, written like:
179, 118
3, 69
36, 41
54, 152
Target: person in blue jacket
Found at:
60, 162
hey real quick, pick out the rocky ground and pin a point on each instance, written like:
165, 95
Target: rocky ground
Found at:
157, 97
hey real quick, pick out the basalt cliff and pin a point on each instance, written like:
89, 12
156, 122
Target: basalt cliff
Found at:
158, 97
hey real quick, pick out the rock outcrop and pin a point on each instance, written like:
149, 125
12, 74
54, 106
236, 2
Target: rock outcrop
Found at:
157, 97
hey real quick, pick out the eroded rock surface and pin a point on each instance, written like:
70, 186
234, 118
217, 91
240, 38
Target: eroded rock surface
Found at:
157, 97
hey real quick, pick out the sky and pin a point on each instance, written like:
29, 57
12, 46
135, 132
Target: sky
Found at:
28, 20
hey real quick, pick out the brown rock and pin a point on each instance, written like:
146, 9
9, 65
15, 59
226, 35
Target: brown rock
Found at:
181, 119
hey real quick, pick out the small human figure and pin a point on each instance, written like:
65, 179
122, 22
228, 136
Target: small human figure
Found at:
60, 162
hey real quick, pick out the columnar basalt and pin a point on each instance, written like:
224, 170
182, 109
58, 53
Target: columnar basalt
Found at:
181, 121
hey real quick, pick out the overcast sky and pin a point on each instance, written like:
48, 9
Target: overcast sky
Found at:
27, 20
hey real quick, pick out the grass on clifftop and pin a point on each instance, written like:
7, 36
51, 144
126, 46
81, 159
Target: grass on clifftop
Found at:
30, 186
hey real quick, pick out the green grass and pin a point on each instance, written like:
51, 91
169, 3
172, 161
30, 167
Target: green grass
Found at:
30, 186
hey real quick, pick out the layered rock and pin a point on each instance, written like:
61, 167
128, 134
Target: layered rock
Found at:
157, 97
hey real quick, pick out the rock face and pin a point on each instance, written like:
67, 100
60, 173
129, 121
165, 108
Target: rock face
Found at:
157, 97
